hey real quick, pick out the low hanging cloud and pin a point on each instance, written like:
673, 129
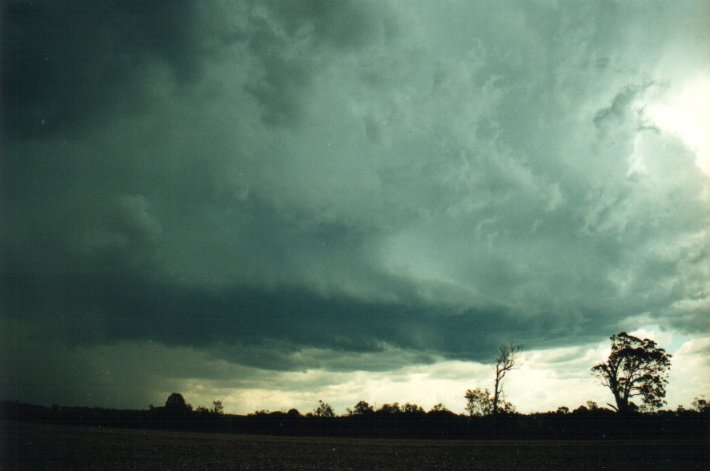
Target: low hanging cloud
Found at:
268, 182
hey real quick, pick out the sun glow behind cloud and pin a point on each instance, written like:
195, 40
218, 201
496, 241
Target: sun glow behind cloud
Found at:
684, 111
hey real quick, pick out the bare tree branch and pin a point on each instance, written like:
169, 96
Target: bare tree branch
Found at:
506, 361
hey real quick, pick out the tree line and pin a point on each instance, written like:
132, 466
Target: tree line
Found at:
388, 421
636, 370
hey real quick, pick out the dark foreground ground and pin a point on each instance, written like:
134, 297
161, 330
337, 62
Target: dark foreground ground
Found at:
40, 446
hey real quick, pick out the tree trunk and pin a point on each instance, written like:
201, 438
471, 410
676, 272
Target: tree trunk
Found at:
622, 404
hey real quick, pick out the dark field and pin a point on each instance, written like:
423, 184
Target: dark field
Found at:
36, 446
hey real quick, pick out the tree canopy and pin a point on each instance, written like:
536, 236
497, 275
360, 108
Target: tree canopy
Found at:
635, 368
479, 402
323, 410
361, 408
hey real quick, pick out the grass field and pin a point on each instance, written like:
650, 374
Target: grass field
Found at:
35, 446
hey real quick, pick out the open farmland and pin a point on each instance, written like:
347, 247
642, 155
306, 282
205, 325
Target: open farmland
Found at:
38, 446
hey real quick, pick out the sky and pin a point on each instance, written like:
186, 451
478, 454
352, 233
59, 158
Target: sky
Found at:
270, 203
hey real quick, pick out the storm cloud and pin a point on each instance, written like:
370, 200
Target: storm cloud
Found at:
338, 186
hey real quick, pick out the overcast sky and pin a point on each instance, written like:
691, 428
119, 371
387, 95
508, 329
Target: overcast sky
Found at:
271, 203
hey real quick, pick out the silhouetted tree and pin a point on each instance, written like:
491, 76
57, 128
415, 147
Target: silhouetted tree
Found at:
635, 368
361, 408
700, 404
390, 409
412, 409
439, 412
479, 402
176, 404
506, 361
323, 410
218, 408
439, 408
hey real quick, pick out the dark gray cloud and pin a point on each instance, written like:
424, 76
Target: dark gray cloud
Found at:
291, 42
69, 64
273, 183
98, 309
